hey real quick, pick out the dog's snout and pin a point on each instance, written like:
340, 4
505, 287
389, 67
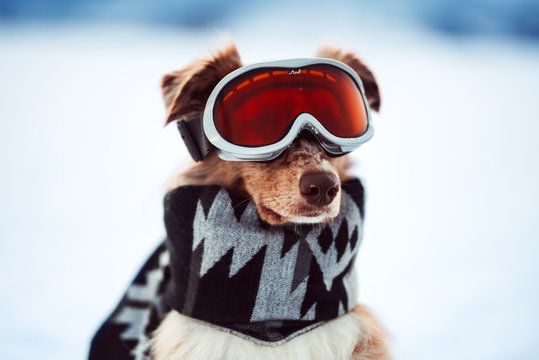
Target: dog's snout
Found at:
319, 188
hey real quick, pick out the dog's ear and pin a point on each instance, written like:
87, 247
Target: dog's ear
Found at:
186, 91
369, 82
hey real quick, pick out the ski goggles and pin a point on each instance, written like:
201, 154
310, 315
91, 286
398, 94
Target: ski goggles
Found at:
256, 112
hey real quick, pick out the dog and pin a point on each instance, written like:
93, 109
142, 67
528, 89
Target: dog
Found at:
281, 194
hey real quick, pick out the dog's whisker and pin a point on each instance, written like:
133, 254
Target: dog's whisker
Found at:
243, 202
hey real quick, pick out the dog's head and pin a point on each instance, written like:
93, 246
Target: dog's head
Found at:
303, 185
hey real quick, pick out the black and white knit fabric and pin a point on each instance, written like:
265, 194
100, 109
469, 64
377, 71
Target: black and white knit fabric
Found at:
224, 266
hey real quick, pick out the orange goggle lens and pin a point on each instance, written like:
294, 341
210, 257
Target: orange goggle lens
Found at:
258, 107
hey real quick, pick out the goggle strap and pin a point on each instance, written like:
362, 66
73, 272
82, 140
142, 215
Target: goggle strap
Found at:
192, 132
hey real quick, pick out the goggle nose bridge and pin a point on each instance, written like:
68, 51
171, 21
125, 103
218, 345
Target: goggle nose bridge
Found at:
308, 122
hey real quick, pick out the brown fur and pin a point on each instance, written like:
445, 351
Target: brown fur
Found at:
272, 185
186, 91
372, 345
278, 200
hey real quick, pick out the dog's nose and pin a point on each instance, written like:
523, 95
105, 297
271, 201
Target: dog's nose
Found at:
319, 188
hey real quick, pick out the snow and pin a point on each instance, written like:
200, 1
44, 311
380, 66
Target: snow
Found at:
449, 257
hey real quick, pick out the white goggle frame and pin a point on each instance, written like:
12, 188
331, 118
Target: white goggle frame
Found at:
332, 144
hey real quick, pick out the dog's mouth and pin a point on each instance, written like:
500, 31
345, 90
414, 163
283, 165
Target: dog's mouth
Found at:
301, 214
270, 216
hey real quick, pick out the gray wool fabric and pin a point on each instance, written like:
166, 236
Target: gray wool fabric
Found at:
283, 281
262, 281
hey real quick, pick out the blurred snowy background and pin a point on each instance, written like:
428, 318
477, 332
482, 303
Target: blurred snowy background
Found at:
449, 259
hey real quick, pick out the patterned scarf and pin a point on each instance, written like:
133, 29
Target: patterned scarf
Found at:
222, 265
